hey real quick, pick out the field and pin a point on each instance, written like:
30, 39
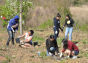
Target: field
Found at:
16, 54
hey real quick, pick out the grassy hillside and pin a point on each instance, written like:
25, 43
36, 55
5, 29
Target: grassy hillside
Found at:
43, 11
42, 14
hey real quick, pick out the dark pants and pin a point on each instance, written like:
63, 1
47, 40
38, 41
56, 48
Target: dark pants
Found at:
29, 43
56, 33
11, 37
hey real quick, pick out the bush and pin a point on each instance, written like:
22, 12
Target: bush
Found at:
12, 8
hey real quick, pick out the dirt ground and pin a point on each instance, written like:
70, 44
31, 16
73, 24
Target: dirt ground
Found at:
16, 54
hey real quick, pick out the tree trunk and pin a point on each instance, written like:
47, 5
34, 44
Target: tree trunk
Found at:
20, 17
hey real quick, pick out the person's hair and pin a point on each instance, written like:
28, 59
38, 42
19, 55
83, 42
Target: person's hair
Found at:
68, 16
58, 15
65, 43
51, 36
32, 32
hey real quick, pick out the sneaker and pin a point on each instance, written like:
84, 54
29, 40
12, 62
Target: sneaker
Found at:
74, 57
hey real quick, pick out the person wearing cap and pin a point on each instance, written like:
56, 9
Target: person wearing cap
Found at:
51, 46
57, 26
27, 42
69, 22
70, 49
12, 28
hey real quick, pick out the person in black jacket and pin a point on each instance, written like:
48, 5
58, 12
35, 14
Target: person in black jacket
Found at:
69, 26
51, 45
57, 25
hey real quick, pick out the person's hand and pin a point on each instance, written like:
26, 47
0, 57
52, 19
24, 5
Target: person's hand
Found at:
56, 32
50, 53
16, 31
62, 30
19, 36
63, 27
61, 54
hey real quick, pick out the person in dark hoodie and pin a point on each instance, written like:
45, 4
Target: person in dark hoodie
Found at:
12, 28
69, 26
51, 46
57, 26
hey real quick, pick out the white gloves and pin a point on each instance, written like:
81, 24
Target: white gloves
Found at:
56, 32
12, 29
50, 53
61, 54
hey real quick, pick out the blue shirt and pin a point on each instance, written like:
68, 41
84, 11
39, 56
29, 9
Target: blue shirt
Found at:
13, 22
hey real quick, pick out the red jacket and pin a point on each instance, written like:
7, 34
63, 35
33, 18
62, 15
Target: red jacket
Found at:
71, 46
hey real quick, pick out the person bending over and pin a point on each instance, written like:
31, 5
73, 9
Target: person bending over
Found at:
12, 27
70, 49
51, 46
28, 39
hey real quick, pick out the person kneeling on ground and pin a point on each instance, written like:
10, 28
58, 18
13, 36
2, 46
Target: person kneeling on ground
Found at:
28, 39
70, 49
51, 45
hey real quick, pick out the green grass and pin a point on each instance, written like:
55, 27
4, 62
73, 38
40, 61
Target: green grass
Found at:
8, 59
84, 41
38, 38
79, 2
84, 27
59, 41
46, 24
43, 54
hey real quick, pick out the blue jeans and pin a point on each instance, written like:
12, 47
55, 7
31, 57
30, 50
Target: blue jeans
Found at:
52, 50
69, 30
11, 37
76, 52
56, 34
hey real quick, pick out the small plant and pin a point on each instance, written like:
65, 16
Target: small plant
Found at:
43, 54
8, 59
86, 54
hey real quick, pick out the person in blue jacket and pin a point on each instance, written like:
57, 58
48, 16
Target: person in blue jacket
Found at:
57, 26
12, 28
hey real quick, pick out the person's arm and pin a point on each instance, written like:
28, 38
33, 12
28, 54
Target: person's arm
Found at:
61, 28
72, 21
47, 45
56, 46
16, 25
28, 40
22, 35
61, 52
55, 23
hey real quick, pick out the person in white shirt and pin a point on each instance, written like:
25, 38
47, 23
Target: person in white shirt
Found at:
28, 39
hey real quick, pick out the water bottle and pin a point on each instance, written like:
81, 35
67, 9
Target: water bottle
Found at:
38, 53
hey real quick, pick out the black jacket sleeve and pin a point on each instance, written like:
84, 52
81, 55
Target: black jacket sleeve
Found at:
72, 21
47, 45
55, 23
56, 46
